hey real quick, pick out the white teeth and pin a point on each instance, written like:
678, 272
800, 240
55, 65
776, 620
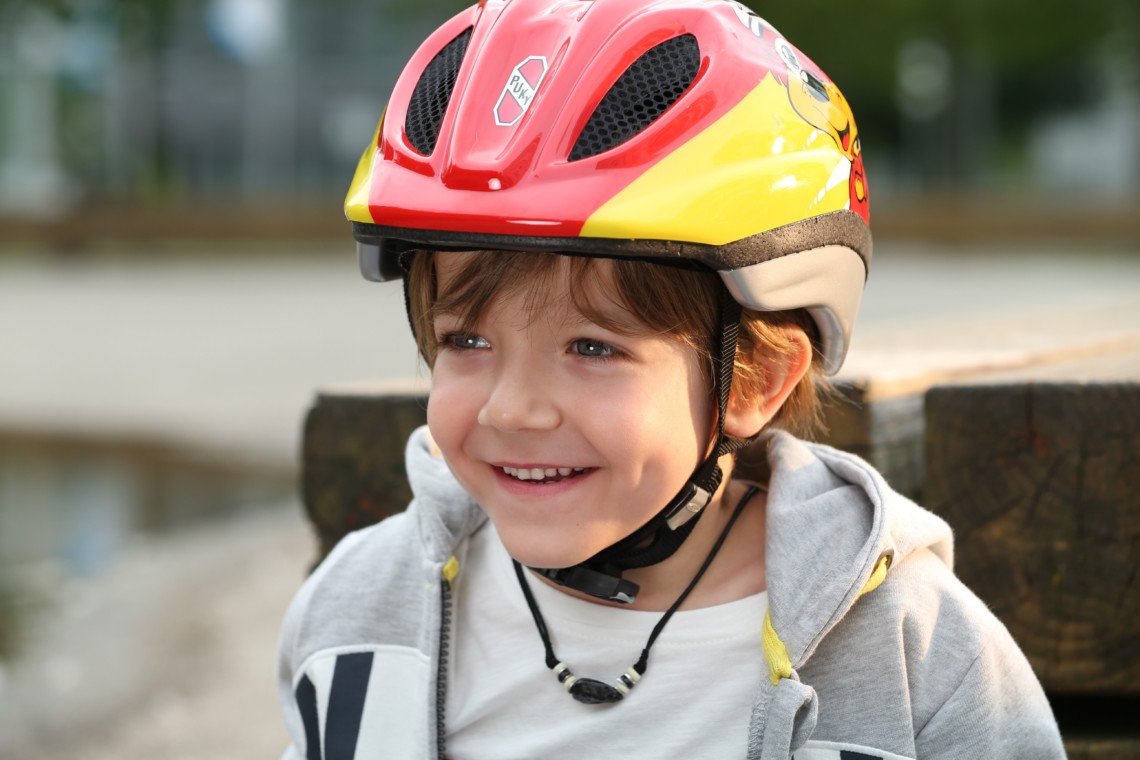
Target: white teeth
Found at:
536, 473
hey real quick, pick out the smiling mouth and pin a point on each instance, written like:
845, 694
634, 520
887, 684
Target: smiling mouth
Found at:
544, 475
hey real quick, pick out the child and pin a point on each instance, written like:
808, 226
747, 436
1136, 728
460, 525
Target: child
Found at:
633, 236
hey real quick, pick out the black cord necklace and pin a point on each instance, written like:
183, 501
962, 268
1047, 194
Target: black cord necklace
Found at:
589, 690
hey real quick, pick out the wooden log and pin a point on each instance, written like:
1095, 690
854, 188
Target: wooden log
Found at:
1041, 483
1083, 748
352, 469
887, 431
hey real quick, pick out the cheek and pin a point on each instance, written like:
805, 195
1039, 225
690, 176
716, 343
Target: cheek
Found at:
667, 419
686, 404
451, 412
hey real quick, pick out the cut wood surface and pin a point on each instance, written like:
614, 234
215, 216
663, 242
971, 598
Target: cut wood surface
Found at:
1041, 484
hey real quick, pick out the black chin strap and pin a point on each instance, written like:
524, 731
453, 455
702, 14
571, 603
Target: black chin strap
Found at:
662, 536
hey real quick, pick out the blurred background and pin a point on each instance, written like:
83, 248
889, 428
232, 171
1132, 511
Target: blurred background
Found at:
177, 281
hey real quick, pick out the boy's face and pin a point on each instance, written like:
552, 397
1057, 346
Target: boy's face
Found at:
569, 435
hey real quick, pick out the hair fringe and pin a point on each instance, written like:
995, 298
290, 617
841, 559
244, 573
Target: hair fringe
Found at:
677, 303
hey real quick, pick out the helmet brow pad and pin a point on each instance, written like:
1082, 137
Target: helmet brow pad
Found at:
827, 281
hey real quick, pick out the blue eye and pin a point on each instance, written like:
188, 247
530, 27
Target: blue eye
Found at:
464, 341
593, 348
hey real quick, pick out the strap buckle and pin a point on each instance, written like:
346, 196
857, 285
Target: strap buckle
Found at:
692, 502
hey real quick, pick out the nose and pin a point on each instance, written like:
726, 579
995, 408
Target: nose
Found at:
520, 399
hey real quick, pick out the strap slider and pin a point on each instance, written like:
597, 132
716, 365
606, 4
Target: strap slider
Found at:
695, 500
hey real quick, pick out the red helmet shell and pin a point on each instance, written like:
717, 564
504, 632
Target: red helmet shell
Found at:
533, 73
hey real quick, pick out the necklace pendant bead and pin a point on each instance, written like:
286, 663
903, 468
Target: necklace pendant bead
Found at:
592, 692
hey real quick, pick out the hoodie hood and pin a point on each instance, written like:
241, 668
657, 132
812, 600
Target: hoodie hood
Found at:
445, 514
834, 531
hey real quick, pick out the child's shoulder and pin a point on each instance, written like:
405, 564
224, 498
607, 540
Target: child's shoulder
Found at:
923, 630
376, 581
931, 607
361, 565
835, 505
370, 550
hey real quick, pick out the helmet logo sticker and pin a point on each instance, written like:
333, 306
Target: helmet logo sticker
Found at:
812, 83
519, 91
748, 17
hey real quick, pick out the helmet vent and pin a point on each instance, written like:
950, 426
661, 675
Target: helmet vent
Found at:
433, 93
651, 84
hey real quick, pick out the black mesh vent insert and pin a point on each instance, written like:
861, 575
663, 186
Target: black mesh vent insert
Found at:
651, 84
433, 93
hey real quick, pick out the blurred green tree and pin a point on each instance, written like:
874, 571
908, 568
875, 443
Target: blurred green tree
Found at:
1020, 59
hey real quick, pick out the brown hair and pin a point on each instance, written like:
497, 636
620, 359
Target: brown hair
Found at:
673, 302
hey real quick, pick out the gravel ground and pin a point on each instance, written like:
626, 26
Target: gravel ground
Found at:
169, 656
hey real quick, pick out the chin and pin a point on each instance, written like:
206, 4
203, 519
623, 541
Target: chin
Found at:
544, 554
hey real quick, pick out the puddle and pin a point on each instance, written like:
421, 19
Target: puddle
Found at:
70, 507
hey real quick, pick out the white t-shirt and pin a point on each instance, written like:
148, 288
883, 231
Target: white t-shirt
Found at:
694, 700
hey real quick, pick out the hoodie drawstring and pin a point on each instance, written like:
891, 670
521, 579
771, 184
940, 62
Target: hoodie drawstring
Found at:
789, 717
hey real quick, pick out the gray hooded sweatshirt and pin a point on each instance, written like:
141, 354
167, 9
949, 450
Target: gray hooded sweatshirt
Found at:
875, 649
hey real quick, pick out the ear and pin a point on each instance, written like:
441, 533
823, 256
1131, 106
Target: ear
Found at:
747, 416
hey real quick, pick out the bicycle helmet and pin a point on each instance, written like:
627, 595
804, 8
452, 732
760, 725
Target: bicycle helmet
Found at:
664, 130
